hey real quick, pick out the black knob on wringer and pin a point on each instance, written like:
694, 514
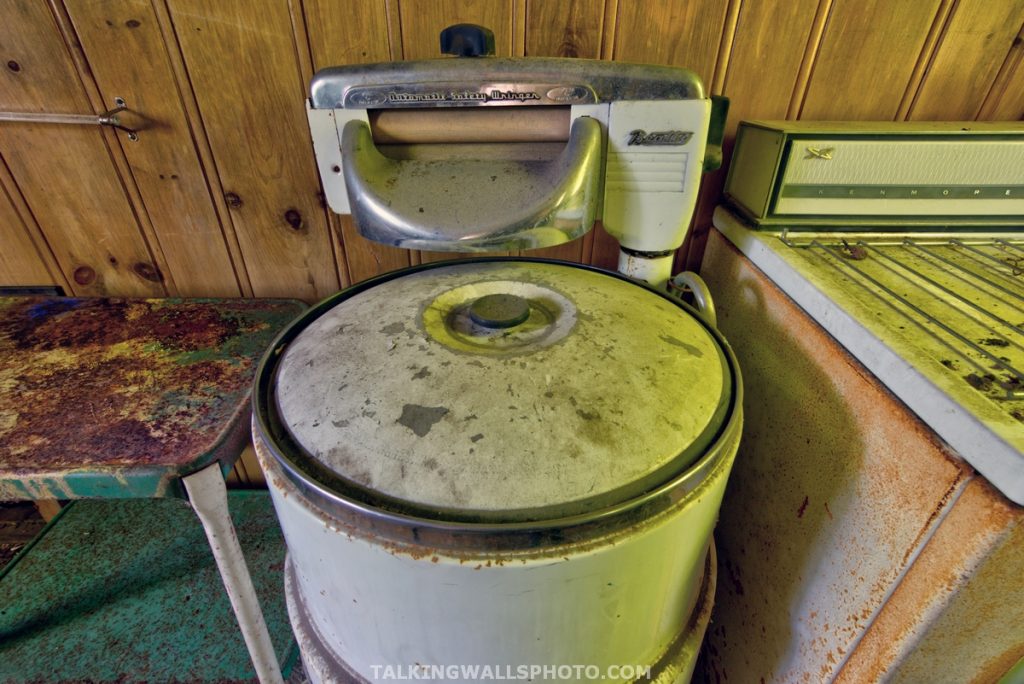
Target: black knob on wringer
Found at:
467, 40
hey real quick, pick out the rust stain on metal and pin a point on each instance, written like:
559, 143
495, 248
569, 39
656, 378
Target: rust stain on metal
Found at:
940, 508
893, 477
966, 578
803, 507
450, 545
100, 384
734, 577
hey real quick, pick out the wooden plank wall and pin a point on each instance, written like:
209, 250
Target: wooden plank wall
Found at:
221, 196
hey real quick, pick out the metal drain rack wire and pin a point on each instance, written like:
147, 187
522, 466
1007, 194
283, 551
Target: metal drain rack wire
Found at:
960, 298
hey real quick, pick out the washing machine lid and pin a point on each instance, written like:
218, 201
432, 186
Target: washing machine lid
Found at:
500, 391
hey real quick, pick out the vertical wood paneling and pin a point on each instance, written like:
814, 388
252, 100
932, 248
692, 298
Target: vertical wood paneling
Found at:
796, 102
519, 28
569, 251
600, 248
1010, 105
65, 173
350, 33
564, 29
710, 189
300, 39
764, 63
225, 82
867, 57
365, 258
347, 31
113, 139
608, 30
243, 70
423, 20
927, 51
304, 59
23, 215
732, 14
421, 25
683, 34
126, 53
20, 262
765, 60
202, 142
394, 29
604, 249
1005, 101
974, 45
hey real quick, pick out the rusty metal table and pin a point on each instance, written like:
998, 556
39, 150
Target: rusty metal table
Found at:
136, 398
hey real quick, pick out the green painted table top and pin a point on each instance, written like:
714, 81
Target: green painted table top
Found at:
128, 591
120, 397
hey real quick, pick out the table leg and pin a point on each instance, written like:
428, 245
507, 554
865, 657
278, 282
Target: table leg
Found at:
48, 508
208, 496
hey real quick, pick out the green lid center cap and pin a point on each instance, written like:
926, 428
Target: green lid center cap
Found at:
499, 310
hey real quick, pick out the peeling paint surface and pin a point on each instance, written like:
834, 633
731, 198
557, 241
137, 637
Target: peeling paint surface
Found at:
958, 615
835, 490
603, 391
117, 397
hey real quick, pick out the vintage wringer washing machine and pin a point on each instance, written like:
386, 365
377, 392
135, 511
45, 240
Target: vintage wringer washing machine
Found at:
504, 463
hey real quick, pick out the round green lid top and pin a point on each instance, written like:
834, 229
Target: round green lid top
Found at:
503, 391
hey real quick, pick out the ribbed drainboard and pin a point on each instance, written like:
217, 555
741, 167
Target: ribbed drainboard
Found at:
960, 299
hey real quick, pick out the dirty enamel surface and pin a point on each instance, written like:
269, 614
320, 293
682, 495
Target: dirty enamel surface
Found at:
604, 390
957, 373
837, 489
116, 397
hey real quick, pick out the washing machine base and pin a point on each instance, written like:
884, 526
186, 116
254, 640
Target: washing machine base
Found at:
322, 666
